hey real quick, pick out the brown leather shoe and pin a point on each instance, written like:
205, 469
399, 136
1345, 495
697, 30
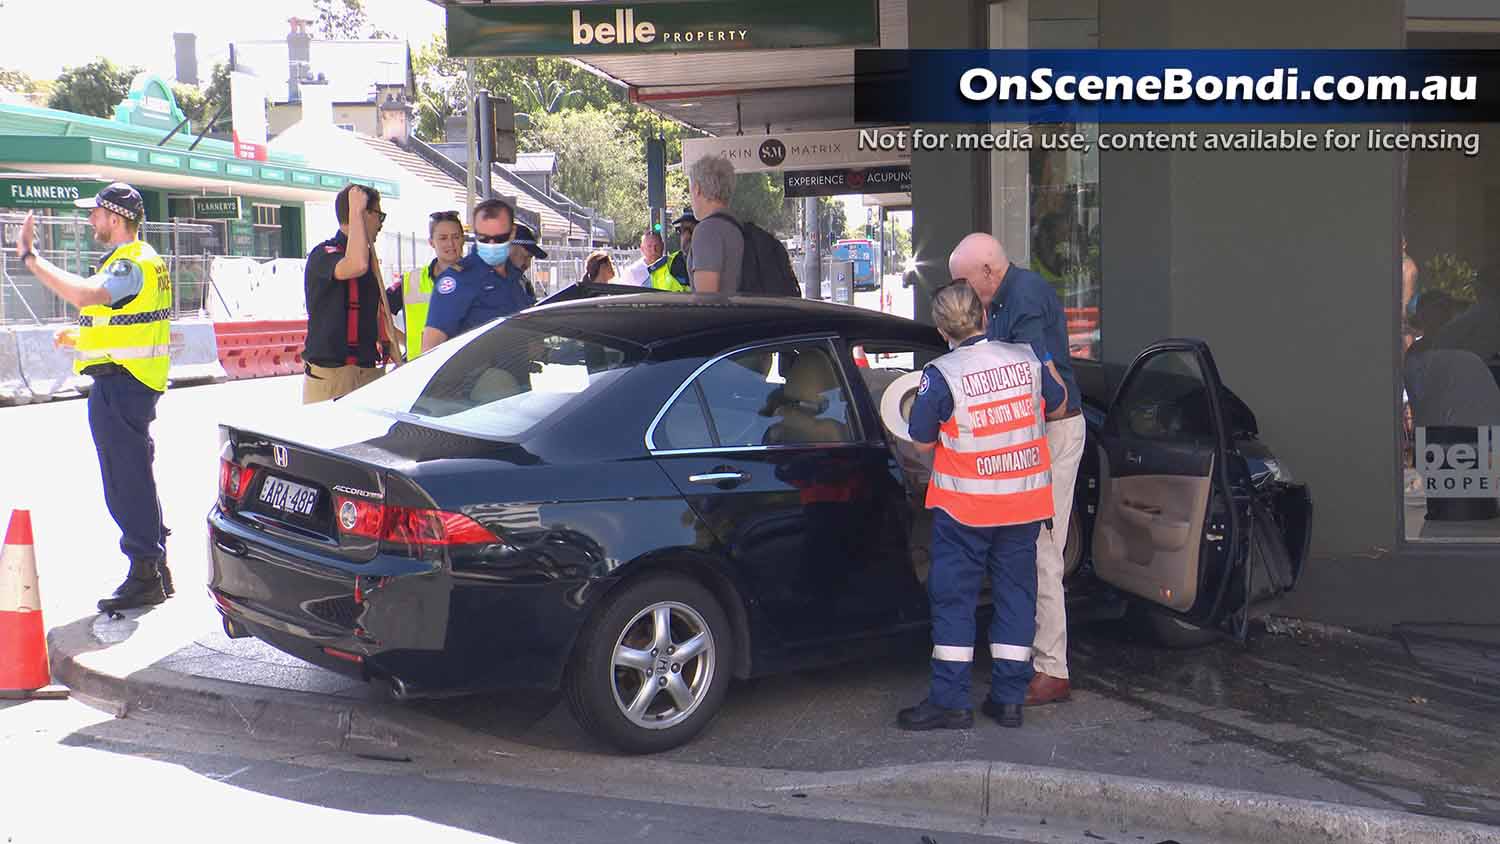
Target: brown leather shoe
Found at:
1045, 688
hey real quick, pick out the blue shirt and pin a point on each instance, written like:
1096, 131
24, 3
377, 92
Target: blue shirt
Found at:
471, 293
1026, 310
934, 402
122, 280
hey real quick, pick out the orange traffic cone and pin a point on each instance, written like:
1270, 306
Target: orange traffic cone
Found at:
23, 638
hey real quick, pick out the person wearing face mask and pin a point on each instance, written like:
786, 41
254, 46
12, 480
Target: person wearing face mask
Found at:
488, 283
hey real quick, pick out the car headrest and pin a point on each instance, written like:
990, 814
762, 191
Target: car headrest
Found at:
810, 377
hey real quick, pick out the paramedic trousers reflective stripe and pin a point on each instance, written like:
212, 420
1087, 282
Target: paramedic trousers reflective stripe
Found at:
961, 555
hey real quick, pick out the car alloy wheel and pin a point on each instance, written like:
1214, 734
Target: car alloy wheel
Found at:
652, 665
664, 664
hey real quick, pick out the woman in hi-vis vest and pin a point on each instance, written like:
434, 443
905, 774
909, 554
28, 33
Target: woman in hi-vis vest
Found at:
981, 406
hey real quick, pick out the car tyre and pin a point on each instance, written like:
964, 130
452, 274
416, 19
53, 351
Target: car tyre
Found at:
629, 683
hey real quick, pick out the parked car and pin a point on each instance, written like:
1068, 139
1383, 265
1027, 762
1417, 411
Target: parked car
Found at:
635, 498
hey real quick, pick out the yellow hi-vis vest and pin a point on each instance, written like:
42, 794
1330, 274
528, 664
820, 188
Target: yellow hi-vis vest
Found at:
138, 335
416, 296
662, 278
992, 465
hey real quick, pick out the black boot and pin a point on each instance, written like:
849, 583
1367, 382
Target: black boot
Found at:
142, 588
1008, 714
166, 578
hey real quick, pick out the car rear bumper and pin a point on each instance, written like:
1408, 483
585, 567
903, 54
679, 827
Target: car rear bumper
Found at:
408, 623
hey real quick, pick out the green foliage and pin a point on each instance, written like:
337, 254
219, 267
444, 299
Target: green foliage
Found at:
345, 20
193, 104
760, 198
598, 166
834, 221
1452, 275
15, 80
94, 88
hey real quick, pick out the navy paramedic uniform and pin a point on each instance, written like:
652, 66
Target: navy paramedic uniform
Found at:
990, 491
472, 293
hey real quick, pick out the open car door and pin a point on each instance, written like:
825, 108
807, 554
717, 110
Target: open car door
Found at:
1173, 517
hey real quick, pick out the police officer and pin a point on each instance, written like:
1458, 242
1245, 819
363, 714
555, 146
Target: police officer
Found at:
659, 265
123, 334
486, 284
980, 407
411, 296
677, 261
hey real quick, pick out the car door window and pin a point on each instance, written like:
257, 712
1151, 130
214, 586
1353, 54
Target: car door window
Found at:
1166, 400
788, 394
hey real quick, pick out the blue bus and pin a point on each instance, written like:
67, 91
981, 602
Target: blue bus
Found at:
862, 252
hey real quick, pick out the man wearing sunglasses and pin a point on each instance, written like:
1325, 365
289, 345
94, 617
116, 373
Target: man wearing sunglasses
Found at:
1021, 307
412, 295
485, 285
344, 308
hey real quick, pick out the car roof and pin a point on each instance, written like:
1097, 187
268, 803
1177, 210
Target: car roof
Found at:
662, 319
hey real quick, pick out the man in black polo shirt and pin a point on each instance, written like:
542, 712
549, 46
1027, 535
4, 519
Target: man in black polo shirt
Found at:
343, 301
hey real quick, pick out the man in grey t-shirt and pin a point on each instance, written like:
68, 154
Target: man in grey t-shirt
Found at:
718, 245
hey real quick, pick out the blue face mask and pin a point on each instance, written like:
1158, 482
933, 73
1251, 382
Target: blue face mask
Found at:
492, 253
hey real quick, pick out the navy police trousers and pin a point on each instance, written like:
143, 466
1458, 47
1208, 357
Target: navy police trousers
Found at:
960, 557
121, 410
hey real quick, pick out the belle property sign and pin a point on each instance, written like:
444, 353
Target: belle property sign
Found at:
576, 29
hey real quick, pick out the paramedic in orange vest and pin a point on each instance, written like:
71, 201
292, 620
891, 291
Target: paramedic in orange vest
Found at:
981, 407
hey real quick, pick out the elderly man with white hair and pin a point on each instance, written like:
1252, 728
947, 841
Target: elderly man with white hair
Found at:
1021, 307
718, 241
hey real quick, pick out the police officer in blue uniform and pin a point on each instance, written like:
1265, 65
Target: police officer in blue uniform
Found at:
489, 282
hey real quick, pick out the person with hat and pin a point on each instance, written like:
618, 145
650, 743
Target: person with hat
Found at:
490, 281
122, 340
677, 262
659, 265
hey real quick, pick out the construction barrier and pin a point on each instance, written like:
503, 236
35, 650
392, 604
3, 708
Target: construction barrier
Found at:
48, 369
245, 288
13, 389
261, 348
195, 353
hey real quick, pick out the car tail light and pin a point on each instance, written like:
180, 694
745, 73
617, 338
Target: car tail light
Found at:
408, 530
234, 479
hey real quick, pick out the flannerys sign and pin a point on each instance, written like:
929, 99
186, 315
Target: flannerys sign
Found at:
44, 192
513, 29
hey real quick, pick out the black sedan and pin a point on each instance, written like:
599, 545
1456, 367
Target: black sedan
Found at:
635, 498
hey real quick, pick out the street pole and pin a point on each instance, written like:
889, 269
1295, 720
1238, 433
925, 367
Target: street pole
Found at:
469, 139
812, 263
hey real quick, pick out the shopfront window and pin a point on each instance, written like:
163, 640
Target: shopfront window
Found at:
1045, 202
1449, 301
268, 231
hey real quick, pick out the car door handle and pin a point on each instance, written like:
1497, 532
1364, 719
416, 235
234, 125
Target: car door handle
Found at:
719, 478
1132, 458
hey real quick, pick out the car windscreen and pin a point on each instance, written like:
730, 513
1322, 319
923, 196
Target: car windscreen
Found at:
500, 381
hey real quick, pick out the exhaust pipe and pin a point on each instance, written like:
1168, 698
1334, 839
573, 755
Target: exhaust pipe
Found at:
232, 630
395, 687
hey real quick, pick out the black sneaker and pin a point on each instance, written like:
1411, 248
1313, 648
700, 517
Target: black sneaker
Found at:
1008, 714
927, 716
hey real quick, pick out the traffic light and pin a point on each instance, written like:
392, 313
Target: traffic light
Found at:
656, 228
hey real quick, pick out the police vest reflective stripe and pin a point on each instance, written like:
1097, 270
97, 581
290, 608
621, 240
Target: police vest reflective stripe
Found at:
992, 465
662, 278
138, 335
416, 296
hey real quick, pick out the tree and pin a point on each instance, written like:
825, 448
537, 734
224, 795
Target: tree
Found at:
761, 199
834, 221
193, 104
18, 81
345, 20
94, 88
599, 166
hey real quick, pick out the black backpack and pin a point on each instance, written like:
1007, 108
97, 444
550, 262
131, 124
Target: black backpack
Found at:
766, 269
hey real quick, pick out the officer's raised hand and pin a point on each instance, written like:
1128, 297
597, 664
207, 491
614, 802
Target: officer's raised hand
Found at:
28, 235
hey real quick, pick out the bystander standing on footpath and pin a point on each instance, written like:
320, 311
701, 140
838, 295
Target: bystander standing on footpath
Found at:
347, 325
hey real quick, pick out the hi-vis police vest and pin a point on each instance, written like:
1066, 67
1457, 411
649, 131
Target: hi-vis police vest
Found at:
416, 296
137, 336
992, 465
662, 278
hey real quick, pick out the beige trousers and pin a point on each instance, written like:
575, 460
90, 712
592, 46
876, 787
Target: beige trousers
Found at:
323, 383
1065, 439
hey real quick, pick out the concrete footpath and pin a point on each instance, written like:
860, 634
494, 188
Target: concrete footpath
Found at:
1307, 734
767, 750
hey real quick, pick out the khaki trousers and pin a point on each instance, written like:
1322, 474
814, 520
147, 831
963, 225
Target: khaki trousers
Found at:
1050, 649
323, 383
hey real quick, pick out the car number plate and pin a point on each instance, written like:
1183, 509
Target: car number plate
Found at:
288, 497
